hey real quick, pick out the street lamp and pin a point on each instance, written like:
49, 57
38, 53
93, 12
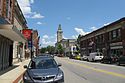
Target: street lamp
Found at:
31, 44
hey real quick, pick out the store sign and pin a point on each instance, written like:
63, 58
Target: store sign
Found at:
116, 44
27, 33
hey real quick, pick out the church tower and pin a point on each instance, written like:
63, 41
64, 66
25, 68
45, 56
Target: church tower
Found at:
59, 34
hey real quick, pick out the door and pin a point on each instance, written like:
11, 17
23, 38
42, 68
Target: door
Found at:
11, 55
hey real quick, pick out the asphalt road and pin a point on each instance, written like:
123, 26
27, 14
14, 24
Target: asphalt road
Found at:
76, 71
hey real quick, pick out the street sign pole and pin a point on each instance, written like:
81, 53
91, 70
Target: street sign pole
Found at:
31, 45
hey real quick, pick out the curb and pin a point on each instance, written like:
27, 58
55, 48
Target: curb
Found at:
19, 79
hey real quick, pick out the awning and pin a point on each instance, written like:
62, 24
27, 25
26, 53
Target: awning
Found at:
11, 32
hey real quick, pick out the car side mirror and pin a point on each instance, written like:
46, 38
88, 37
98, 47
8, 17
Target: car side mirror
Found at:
25, 66
59, 64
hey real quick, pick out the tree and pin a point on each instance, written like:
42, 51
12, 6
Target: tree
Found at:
49, 49
60, 49
43, 50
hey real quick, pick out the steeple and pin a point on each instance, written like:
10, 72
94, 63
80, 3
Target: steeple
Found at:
59, 33
59, 28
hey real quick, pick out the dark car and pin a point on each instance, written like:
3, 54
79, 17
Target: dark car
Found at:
43, 69
109, 59
121, 60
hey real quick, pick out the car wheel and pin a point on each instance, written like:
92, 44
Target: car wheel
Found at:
110, 62
118, 63
93, 60
88, 60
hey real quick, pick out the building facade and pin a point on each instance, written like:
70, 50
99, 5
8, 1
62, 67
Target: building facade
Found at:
109, 40
36, 42
8, 33
6, 11
20, 23
67, 44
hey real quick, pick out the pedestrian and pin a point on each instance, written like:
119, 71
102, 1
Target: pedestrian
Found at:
19, 58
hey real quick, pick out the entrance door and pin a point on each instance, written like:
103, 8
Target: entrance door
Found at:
10, 55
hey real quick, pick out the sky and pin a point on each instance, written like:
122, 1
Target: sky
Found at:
75, 16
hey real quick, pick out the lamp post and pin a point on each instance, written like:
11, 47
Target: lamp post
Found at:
31, 44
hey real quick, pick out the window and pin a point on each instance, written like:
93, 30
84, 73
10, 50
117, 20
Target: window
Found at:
119, 32
7, 8
43, 64
114, 34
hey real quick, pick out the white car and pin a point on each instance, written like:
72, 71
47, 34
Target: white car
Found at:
95, 56
84, 57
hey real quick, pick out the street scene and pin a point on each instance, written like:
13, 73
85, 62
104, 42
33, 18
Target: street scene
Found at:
60, 41
85, 72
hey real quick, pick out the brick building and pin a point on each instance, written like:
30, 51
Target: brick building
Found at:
36, 38
9, 33
110, 40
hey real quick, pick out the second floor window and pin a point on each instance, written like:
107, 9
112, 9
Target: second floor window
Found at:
119, 32
7, 8
114, 35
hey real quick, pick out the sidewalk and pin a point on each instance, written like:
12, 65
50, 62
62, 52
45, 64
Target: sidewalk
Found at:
14, 74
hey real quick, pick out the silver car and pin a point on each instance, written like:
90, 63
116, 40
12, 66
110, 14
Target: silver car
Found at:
43, 69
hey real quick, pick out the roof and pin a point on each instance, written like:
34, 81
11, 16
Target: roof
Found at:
107, 26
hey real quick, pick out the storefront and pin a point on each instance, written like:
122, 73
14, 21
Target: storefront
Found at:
8, 34
116, 49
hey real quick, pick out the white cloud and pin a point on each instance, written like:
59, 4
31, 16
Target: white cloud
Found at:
48, 40
106, 24
93, 28
45, 36
39, 23
32, 1
25, 6
37, 15
80, 31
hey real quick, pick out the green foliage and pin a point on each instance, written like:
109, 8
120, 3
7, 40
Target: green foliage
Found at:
49, 49
43, 50
60, 49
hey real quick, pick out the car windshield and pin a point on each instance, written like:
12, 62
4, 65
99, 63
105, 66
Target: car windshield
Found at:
43, 64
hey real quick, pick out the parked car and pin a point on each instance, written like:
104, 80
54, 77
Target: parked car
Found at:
109, 59
84, 57
60, 55
121, 60
43, 69
78, 57
95, 56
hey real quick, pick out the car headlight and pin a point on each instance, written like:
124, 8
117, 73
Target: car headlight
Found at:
59, 76
26, 76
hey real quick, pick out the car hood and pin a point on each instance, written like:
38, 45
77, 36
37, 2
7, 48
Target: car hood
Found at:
44, 72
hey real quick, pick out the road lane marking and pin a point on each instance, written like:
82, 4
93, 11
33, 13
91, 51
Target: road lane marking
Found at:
98, 70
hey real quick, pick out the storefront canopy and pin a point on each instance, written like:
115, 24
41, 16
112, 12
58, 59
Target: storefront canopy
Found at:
11, 32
